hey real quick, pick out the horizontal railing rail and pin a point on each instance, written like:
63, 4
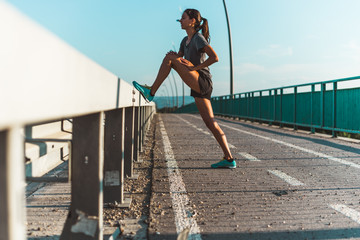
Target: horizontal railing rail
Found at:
319, 105
43, 79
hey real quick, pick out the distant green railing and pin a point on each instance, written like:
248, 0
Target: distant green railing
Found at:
320, 105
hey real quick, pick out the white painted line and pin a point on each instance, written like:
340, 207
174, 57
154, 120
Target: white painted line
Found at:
322, 155
180, 201
290, 180
249, 157
350, 213
202, 130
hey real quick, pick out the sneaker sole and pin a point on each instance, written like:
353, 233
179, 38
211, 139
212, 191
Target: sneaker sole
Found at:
143, 96
232, 167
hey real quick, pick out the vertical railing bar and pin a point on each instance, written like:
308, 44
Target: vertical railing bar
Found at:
136, 134
87, 180
248, 105
312, 108
70, 161
223, 105
142, 127
281, 106
274, 105
334, 108
322, 104
295, 107
114, 159
234, 109
260, 99
252, 106
237, 104
12, 185
269, 106
129, 143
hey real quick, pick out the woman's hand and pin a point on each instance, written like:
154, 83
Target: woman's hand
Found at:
188, 64
183, 61
172, 52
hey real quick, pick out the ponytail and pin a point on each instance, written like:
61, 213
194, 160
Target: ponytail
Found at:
205, 29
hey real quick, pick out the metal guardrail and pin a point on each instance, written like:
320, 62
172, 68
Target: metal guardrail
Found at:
318, 105
42, 79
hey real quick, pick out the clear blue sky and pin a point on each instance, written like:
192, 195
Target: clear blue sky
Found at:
275, 42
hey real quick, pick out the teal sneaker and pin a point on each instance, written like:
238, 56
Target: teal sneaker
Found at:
144, 90
224, 164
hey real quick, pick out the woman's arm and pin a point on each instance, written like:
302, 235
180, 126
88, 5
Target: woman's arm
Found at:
212, 58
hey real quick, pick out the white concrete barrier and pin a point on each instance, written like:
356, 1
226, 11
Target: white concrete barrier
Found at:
44, 79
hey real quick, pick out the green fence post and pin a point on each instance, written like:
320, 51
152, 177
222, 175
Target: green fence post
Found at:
233, 106
228, 105
269, 111
252, 107
222, 106
239, 107
281, 106
247, 105
238, 111
260, 99
275, 95
322, 104
312, 108
295, 108
334, 108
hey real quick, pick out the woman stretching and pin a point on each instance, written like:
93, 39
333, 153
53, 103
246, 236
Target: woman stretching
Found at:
193, 70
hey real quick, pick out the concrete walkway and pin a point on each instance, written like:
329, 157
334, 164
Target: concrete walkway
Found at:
287, 185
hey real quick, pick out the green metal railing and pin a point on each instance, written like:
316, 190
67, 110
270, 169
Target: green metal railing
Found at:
319, 105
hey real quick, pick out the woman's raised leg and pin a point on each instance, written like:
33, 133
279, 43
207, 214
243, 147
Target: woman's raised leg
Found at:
173, 61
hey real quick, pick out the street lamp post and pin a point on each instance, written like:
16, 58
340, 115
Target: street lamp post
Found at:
230, 51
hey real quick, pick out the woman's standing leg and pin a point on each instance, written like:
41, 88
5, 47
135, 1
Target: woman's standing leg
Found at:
206, 112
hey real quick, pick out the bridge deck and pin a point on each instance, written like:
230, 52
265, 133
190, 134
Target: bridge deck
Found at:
287, 185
